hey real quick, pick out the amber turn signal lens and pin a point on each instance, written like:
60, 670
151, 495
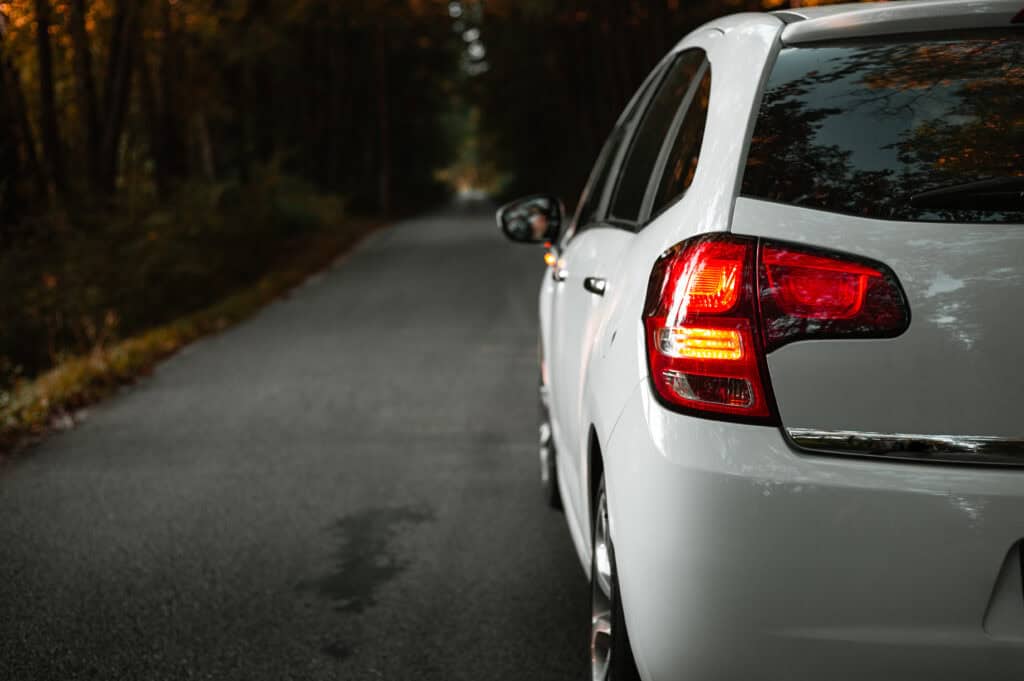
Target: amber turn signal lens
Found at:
701, 343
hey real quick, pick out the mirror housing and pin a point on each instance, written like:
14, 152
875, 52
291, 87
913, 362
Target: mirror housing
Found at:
532, 220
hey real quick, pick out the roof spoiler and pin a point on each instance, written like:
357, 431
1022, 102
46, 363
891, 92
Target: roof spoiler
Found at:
886, 18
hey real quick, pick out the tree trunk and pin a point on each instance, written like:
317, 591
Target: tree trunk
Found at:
206, 157
48, 107
151, 108
10, 161
85, 86
336, 126
383, 125
118, 90
21, 129
171, 118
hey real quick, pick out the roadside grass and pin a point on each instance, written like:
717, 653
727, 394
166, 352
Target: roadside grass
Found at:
30, 407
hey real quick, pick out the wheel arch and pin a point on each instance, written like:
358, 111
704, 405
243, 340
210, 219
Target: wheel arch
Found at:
595, 470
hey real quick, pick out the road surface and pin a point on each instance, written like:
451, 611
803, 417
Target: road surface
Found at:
343, 487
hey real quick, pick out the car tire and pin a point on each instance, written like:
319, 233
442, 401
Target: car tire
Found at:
611, 657
548, 456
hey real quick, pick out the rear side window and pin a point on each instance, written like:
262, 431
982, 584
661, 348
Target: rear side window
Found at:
650, 136
591, 200
681, 165
916, 129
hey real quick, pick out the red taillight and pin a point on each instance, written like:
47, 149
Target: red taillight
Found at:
815, 287
702, 346
717, 304
825, 295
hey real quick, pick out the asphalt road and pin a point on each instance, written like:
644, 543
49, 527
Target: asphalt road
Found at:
343, 487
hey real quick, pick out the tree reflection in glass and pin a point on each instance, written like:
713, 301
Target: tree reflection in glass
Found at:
861, 127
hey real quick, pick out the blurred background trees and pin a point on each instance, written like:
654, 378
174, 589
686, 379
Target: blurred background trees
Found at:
111, 96
559, 73
158, 154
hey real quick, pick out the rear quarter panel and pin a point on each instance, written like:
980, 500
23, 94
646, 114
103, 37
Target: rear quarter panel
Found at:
738, 48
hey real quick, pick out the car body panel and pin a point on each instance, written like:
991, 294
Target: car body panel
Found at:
953, 372
575, 312
739, 557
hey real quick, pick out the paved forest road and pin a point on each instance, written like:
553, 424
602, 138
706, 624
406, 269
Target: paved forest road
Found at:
343, 488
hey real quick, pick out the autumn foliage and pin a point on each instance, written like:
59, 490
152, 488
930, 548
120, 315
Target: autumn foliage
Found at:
159, 155
156, 155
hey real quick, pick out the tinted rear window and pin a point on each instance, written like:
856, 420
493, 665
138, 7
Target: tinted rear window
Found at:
866, 128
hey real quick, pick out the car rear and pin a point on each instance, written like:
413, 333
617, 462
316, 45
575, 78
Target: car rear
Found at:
830, 445
907, 151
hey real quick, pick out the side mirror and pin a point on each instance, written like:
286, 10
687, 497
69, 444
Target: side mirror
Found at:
532, 220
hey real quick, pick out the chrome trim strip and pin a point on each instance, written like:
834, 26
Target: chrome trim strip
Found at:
971, 449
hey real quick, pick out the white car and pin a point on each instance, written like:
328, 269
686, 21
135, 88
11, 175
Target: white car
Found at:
782, 352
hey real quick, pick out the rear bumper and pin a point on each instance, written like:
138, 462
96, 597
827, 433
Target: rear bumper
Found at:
739, 558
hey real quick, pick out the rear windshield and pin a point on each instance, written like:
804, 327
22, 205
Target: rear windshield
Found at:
924, 129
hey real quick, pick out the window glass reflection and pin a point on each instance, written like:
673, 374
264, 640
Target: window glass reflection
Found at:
681, 165
929, 130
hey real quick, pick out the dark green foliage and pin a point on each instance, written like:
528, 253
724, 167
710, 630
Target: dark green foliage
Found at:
72, 288
160, 154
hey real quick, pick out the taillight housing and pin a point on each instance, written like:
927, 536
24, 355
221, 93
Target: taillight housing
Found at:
819, 294
718, 303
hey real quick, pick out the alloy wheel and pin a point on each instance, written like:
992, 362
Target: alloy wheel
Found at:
602, 596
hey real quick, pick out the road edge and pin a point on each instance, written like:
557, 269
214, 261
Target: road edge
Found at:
56, 400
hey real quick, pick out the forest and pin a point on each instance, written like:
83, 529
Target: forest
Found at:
159, 156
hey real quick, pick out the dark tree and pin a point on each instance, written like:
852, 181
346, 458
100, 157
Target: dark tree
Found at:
47, 97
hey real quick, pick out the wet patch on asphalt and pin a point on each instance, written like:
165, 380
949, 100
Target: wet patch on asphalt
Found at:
337, 650
364, 560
